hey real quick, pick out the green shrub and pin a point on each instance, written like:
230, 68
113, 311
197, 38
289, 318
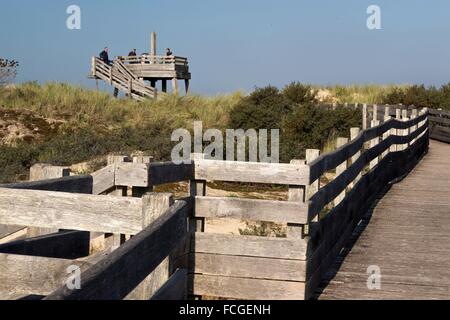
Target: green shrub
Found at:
264, 108
421, 96
299, 93
310, 127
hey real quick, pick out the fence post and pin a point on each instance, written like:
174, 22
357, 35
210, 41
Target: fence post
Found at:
340, 169
398, 132
354, 132
311, 155
138, 192
405, 131
197, 188
364, 114
153, 206
94, 67
414, 127
297, 194
386, 135
373, 143
374, 112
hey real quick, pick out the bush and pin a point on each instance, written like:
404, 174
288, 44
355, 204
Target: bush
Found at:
298, 93
264, 108
311, 127
421, 96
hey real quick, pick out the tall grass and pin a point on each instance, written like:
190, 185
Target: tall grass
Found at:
370, 94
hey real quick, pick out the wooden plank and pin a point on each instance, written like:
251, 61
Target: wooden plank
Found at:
154, 205
122, 271
168, 172
42, 171
272, 173
75, 184
11, 233
103, 179
132, 174
296, 194
251, 209
341, 169
34, 275
174, 289
248, 267
65, 244
70, 211
249, 289
252, 246
331, 160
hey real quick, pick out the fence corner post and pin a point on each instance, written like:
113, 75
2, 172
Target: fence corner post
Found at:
153, 206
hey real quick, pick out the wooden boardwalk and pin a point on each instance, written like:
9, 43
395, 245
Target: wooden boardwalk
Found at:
407, 235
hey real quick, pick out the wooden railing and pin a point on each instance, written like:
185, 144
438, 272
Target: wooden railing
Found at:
362, 172
120, 77
148, 59
248, 266
148, 231
164, 248
440, 125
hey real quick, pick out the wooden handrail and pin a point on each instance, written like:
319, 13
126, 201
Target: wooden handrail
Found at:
124, 269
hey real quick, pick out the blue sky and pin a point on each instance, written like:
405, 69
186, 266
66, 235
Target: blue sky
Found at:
237, 44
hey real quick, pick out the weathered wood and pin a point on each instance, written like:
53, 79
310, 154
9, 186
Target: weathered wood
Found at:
340, 169
12, 233
132, 174
331, 160
251, 172
119, 273
248, 267
311, 155
42, 171
154, 205
103, 179
251, 209
75, 184
30, 275
411, 266
168, 172
354, 133
197, 188
364, 113
175, 288
252, 246
296, 194
244, 288
65, 244
70, 211
373, 143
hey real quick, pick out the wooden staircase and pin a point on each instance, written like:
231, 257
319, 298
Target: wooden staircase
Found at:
121, 78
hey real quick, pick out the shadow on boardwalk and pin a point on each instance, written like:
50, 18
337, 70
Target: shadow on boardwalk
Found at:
406, 234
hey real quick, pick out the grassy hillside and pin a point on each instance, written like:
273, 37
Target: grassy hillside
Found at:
62, 124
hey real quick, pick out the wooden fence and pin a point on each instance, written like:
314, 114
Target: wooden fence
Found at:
162, 248
122, 78
440, 125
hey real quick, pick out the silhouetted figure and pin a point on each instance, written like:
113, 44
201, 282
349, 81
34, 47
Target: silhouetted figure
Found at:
168, 52
104, 56
132, 53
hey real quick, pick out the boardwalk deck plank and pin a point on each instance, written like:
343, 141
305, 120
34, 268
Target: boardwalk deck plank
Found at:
407, 236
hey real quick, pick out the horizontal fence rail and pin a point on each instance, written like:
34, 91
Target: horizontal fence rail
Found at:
440, 125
